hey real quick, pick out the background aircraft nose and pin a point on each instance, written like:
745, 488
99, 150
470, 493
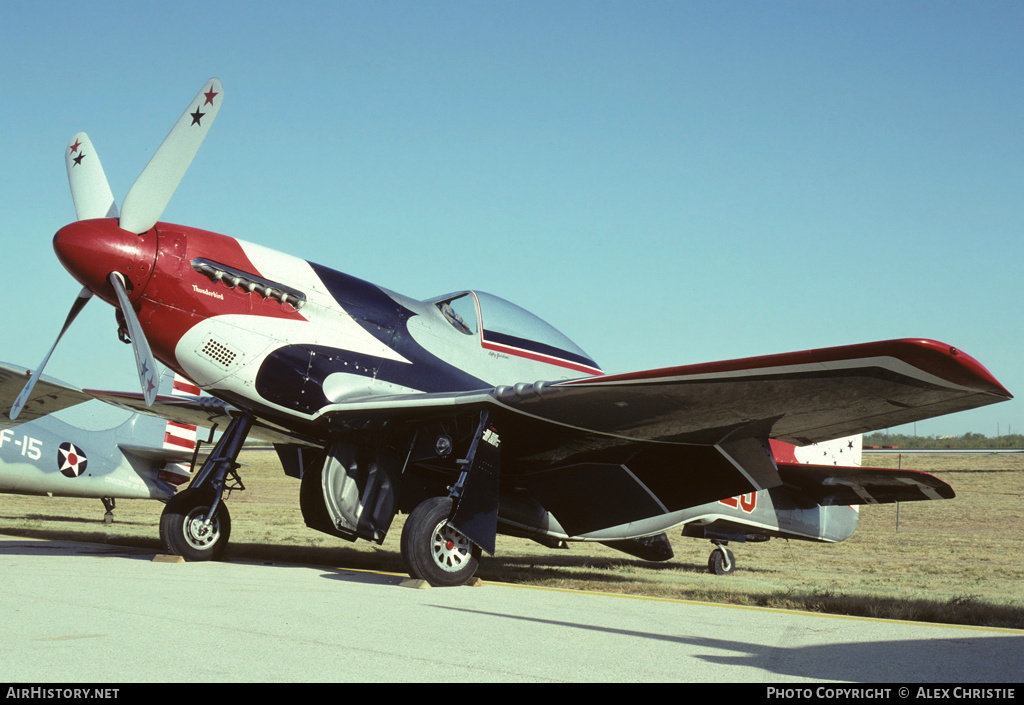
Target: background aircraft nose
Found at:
91, 249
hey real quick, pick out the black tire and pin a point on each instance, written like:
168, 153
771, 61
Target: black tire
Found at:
721, 561
435, 552
182, 529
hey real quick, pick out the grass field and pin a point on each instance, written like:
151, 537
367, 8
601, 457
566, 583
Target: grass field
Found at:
955, 561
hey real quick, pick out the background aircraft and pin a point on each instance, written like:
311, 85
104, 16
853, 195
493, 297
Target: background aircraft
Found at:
464, 410
140, 458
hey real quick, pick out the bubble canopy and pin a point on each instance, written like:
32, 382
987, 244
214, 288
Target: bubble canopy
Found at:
505, 327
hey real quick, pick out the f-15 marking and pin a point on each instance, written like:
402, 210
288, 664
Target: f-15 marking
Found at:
31, 448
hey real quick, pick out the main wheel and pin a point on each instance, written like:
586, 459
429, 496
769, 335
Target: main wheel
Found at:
434, 551
721, 561
183, 528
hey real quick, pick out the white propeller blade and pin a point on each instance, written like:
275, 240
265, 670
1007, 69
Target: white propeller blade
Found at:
83, 298
144, 360
89, 187
153, 189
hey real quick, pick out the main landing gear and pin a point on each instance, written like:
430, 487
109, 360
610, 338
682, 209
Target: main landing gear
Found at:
185, 530
434, 551
196, 524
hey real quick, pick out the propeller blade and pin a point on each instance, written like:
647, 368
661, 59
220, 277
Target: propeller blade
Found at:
152, 191
89, 187
144, 360
83, 298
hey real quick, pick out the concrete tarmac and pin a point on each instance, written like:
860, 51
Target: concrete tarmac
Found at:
76, 612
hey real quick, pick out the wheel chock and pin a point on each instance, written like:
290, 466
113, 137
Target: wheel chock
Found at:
162, 558
415, 583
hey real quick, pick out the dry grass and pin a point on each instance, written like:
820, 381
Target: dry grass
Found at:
955, 561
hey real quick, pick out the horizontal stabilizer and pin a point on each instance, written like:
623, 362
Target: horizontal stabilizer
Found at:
157, 456
837, 485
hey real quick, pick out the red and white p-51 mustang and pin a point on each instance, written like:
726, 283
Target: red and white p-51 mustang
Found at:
466, 411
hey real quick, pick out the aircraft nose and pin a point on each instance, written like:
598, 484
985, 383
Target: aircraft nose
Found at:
91, 249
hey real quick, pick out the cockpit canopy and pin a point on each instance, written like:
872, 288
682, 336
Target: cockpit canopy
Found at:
504, 327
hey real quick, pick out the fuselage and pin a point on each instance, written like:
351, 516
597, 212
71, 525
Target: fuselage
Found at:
289, 338
49, 456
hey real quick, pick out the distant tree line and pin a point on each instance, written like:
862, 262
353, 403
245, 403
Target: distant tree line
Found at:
966, 441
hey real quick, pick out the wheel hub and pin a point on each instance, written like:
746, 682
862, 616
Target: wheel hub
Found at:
198, 533
449, 548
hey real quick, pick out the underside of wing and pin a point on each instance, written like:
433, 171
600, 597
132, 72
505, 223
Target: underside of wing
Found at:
48, 396
836, 485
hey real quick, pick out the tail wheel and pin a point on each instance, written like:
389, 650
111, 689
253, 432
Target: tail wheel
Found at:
185, 532
721, 561
434, 551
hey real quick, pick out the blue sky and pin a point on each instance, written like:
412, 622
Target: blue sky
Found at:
666, 182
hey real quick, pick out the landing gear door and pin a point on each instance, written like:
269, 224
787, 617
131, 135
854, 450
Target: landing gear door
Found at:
354, 494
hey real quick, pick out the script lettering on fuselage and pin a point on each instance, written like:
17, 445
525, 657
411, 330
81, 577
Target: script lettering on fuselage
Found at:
31, 448
746, 502
208, 292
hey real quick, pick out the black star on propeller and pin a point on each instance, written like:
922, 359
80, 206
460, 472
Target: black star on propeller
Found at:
79, 158
196, 117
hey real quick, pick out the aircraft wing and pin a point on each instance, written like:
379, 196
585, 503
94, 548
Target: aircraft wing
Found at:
800, 398
838, 485
48, 396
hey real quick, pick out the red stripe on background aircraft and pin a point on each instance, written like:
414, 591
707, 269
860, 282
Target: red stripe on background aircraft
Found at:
466, 411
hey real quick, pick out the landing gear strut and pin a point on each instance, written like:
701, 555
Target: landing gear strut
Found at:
196, 524
108, 505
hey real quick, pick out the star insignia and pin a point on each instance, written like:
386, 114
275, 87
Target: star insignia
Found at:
75, 146
78, 160
196, 117
71, 460
210, 95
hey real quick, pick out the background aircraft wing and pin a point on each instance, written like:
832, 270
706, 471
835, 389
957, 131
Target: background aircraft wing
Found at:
48, 396
198, 411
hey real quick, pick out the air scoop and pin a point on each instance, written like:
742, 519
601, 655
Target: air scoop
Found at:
91, 249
